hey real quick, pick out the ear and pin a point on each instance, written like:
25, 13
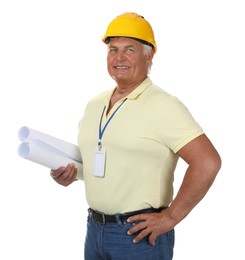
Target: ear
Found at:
150, 56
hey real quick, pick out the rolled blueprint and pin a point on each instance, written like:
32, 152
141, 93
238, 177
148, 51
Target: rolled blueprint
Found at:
47, 150
28, 135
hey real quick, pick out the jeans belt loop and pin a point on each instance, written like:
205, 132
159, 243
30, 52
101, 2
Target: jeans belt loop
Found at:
89, 212
103, 219
118, 219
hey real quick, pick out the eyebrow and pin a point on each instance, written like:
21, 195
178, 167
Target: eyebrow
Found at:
127, 46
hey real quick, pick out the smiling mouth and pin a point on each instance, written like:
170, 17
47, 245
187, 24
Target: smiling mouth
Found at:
121, 67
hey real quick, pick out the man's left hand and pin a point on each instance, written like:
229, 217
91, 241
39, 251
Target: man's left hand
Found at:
152, 225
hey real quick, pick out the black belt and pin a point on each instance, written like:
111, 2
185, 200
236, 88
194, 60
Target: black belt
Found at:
102, 218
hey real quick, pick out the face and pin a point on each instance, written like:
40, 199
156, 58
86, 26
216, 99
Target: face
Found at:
126, 62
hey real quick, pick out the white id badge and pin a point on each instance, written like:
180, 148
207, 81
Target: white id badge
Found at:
99, 163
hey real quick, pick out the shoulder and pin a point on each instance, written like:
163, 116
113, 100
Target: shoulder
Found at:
100, 98
161, 98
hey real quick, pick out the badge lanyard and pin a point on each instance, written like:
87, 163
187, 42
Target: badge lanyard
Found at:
101, 131
100, 154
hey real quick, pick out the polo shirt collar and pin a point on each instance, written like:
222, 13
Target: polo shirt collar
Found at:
133, 95
140, 89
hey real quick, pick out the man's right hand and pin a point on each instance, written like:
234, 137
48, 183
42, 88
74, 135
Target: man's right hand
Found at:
65, 175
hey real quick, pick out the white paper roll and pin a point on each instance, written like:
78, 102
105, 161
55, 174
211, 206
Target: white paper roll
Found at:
28, 135
48, 151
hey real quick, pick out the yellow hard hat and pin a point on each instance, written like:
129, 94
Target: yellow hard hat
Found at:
131, 25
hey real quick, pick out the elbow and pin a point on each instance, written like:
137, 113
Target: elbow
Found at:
213, 165
217, 164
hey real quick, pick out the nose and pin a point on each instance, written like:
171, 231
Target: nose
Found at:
120, 55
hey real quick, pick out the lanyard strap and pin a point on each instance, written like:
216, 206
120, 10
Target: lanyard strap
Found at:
101, 131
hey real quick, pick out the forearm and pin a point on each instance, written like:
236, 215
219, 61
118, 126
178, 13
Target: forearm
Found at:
195, 185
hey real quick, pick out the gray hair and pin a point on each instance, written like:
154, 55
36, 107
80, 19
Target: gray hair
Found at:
146, 51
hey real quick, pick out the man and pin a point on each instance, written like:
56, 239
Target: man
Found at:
130, 140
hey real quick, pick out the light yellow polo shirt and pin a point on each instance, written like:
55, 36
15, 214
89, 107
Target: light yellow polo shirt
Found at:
141, 142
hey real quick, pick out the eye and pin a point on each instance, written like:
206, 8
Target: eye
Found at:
130, 50
112, 50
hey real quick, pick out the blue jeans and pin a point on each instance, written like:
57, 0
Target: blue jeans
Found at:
111, 242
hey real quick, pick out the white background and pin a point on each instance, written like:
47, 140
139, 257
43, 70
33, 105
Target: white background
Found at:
52, 61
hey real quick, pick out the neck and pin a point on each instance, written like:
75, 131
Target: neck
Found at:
119, 93
124, 88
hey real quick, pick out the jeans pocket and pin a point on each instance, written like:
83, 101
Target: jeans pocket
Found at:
129, 225
171, 238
